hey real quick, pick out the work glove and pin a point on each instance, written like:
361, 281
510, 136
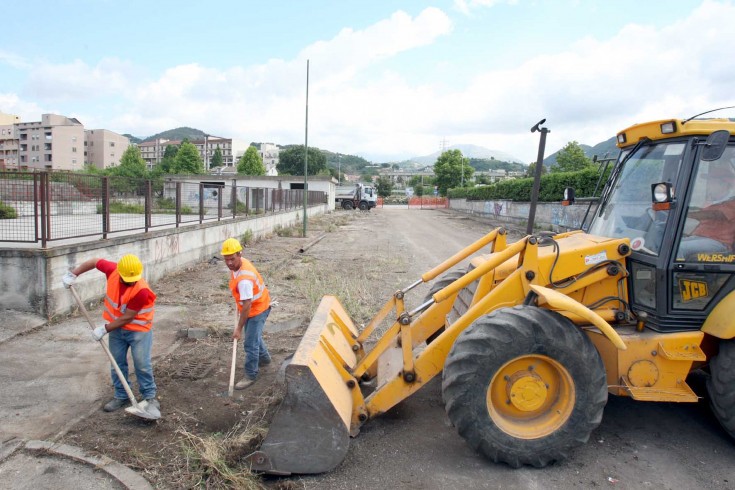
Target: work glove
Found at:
99, 332
69, 279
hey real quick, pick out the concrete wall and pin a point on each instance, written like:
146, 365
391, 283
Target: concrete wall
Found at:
549, 216
31, 279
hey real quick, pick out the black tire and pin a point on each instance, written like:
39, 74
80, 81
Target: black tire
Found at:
556, 403
364, 206
440, 284
347, 205
721, 386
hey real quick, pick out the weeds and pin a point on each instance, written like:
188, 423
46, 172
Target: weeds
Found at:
247, 237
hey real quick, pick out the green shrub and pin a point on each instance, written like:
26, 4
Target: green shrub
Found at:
7, 211
247, 237
551, 189
117, 207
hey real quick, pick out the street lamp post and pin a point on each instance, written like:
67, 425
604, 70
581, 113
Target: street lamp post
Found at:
339, 167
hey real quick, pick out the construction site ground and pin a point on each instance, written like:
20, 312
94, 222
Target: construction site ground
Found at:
55, 380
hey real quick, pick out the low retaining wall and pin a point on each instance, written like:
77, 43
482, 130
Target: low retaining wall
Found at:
551, 216
31, 279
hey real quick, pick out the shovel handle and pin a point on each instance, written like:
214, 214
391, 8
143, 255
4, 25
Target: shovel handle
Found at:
106, 349
231, 390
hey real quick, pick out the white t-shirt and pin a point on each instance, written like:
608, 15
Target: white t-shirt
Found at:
245, 288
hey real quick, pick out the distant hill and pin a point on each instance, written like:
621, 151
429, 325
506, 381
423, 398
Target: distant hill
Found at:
469, 151
178, 134
606, 149
133, 139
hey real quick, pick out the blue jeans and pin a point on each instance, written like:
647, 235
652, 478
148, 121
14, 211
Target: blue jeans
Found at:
255, 349
140, 344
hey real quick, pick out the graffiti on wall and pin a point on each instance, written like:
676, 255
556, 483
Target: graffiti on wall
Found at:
165, 247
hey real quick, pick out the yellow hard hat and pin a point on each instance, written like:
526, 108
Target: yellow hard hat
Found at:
130, 268
231, 246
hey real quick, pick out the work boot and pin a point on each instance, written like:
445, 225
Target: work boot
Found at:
152, 402
264, 362
244, 383
116, 404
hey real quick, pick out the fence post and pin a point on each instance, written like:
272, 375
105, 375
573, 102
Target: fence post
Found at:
43, 195
36, 204
201, 203
105, 206
148, 204
219, 202
247, 200
178, 203
234, 198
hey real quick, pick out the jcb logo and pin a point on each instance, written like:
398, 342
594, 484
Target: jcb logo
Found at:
691, 290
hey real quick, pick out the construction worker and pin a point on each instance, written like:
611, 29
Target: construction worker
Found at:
253, 306
129, 306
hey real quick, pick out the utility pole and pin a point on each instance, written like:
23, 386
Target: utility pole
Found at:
537, 173
339, 166
306, 147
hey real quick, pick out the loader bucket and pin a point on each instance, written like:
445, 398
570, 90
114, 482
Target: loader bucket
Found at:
310, 432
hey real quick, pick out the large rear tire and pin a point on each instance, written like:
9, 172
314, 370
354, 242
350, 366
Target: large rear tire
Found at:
721, 386
347, 205
364, 206
440, 284
524, 385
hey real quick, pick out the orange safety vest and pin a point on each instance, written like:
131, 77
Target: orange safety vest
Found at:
261, 300
143, 320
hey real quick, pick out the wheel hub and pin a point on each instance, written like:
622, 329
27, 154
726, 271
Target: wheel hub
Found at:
526, 391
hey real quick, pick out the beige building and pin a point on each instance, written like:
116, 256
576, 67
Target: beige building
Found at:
103, 148
152, 151
231, 149
269, 152
54, 143
8, 142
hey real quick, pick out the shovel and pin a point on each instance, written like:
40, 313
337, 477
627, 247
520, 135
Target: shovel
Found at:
231, 389
142, 410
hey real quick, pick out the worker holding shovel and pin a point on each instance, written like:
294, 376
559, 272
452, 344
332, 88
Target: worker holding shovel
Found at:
128, 312
253, 306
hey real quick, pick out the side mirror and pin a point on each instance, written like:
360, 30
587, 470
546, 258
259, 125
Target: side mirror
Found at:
715, 145
568, 196
662, 196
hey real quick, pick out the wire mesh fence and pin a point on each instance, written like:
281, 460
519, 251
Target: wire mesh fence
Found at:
48, 206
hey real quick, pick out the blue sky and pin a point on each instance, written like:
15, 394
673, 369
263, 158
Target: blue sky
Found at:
388, 80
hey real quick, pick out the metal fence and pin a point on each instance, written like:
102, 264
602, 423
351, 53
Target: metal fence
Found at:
47, 206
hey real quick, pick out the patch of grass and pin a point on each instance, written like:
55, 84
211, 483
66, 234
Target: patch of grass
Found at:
290, 231
7, 211
117, 207
247, 237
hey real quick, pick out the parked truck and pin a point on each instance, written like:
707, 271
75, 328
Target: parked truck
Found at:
356, 196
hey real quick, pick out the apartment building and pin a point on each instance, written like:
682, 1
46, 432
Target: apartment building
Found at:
232, 150
8, 142
104, 148
152, 151
269, 154
54, 143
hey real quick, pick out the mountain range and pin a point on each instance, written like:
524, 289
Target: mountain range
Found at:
605, 149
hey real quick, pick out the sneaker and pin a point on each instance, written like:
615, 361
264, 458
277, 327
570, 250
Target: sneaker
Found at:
244, 383
116, 404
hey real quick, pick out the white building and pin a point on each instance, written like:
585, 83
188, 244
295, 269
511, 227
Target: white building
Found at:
104, 148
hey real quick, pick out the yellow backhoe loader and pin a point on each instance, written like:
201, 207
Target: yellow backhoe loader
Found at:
534, 335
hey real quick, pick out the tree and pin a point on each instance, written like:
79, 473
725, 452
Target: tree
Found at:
451, 170
571, 158
131, 164
217, 160
291, 161
384, 186
251, 163
188, 160
531, 171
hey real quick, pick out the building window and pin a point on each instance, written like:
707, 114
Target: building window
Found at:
73, 161
23, 147
47, 146
47, 158
73, 149
73, 139
23, 136
48, 135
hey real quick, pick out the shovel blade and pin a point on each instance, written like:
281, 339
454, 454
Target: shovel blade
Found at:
310, 432
144, 411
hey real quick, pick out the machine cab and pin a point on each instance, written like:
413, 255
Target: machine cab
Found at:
672, 193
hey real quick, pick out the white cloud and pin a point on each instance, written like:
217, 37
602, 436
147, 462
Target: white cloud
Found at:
361, 104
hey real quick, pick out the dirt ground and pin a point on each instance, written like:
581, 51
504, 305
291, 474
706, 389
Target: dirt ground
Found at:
203, 432
362, 258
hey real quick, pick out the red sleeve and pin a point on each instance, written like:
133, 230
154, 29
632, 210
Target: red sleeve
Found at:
139, 300
106, 266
